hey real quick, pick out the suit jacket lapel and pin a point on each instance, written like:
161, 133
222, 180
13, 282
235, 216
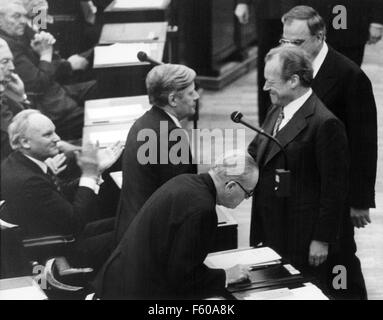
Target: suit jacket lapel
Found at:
292, 128
268, 127
326, 78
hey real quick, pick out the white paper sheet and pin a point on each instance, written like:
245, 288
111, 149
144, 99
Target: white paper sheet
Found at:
246, 257
307, 292
130, 112
109, 137
133, 4
121, 53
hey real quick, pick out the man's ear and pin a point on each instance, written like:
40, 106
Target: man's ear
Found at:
24, 142
295, 81
172, 99
230, 185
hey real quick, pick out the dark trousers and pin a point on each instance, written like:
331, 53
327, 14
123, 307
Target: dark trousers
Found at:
94, 245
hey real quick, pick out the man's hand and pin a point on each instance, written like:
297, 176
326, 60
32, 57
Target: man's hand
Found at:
236, 274
42, 44
242, 12
87, 160
15, 88
318, 253
107, 157
360, 217
77, 62
57, 163
376, 33
67, 147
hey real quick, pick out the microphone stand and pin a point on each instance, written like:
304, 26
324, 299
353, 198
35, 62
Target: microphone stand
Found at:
282, 176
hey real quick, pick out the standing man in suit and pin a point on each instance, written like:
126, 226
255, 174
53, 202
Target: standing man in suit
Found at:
364, 23
172, 93
40, 205
303, 227
347, 92
161, 254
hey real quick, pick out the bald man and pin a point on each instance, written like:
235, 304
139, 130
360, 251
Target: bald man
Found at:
41, 206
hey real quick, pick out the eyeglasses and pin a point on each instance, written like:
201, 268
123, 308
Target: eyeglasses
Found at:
296, 42
248, 194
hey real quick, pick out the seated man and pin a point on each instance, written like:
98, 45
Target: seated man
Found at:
39, 68
12, 95
161, 254
172, 93
40, 205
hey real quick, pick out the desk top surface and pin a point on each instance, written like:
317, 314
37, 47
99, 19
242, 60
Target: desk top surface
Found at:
134, 32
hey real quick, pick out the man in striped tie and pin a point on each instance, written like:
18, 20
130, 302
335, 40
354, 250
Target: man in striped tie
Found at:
304, 226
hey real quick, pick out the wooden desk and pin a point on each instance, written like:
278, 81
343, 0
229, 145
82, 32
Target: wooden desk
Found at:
136, 11
134, 32
115, 110
120, 73
109, 120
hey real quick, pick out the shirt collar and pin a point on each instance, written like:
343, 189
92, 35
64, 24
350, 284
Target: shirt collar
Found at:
175, 120
319, 59
290, 109
41, 164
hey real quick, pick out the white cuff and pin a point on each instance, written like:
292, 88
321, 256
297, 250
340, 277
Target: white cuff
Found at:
377, 25
91, 183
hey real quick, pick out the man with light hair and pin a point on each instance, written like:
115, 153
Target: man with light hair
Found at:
43, 207
12, 95
172, 93
161, 255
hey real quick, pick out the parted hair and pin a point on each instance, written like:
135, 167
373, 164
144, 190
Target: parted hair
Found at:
165, 79
315, 22
294, 61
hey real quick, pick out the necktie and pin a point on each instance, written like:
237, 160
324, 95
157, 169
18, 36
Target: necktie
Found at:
54, 179
278, 122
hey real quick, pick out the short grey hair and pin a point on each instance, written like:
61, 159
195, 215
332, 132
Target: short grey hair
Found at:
235, 165
314, 21
19, 126
165, 79
4, 4
3, 43
295, 61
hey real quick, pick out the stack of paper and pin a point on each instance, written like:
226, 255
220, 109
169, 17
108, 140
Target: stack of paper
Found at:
249, 257
307, 292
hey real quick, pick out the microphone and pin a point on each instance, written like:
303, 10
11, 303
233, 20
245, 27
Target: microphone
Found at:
143, 57
282, 176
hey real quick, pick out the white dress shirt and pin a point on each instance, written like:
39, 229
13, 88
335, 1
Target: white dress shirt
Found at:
290, 109
84, 181
319, 59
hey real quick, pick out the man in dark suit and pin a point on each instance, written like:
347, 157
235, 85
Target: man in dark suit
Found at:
364, 23
161, 254
40, 205
347, 92
304, 226
172, 93
40, 69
